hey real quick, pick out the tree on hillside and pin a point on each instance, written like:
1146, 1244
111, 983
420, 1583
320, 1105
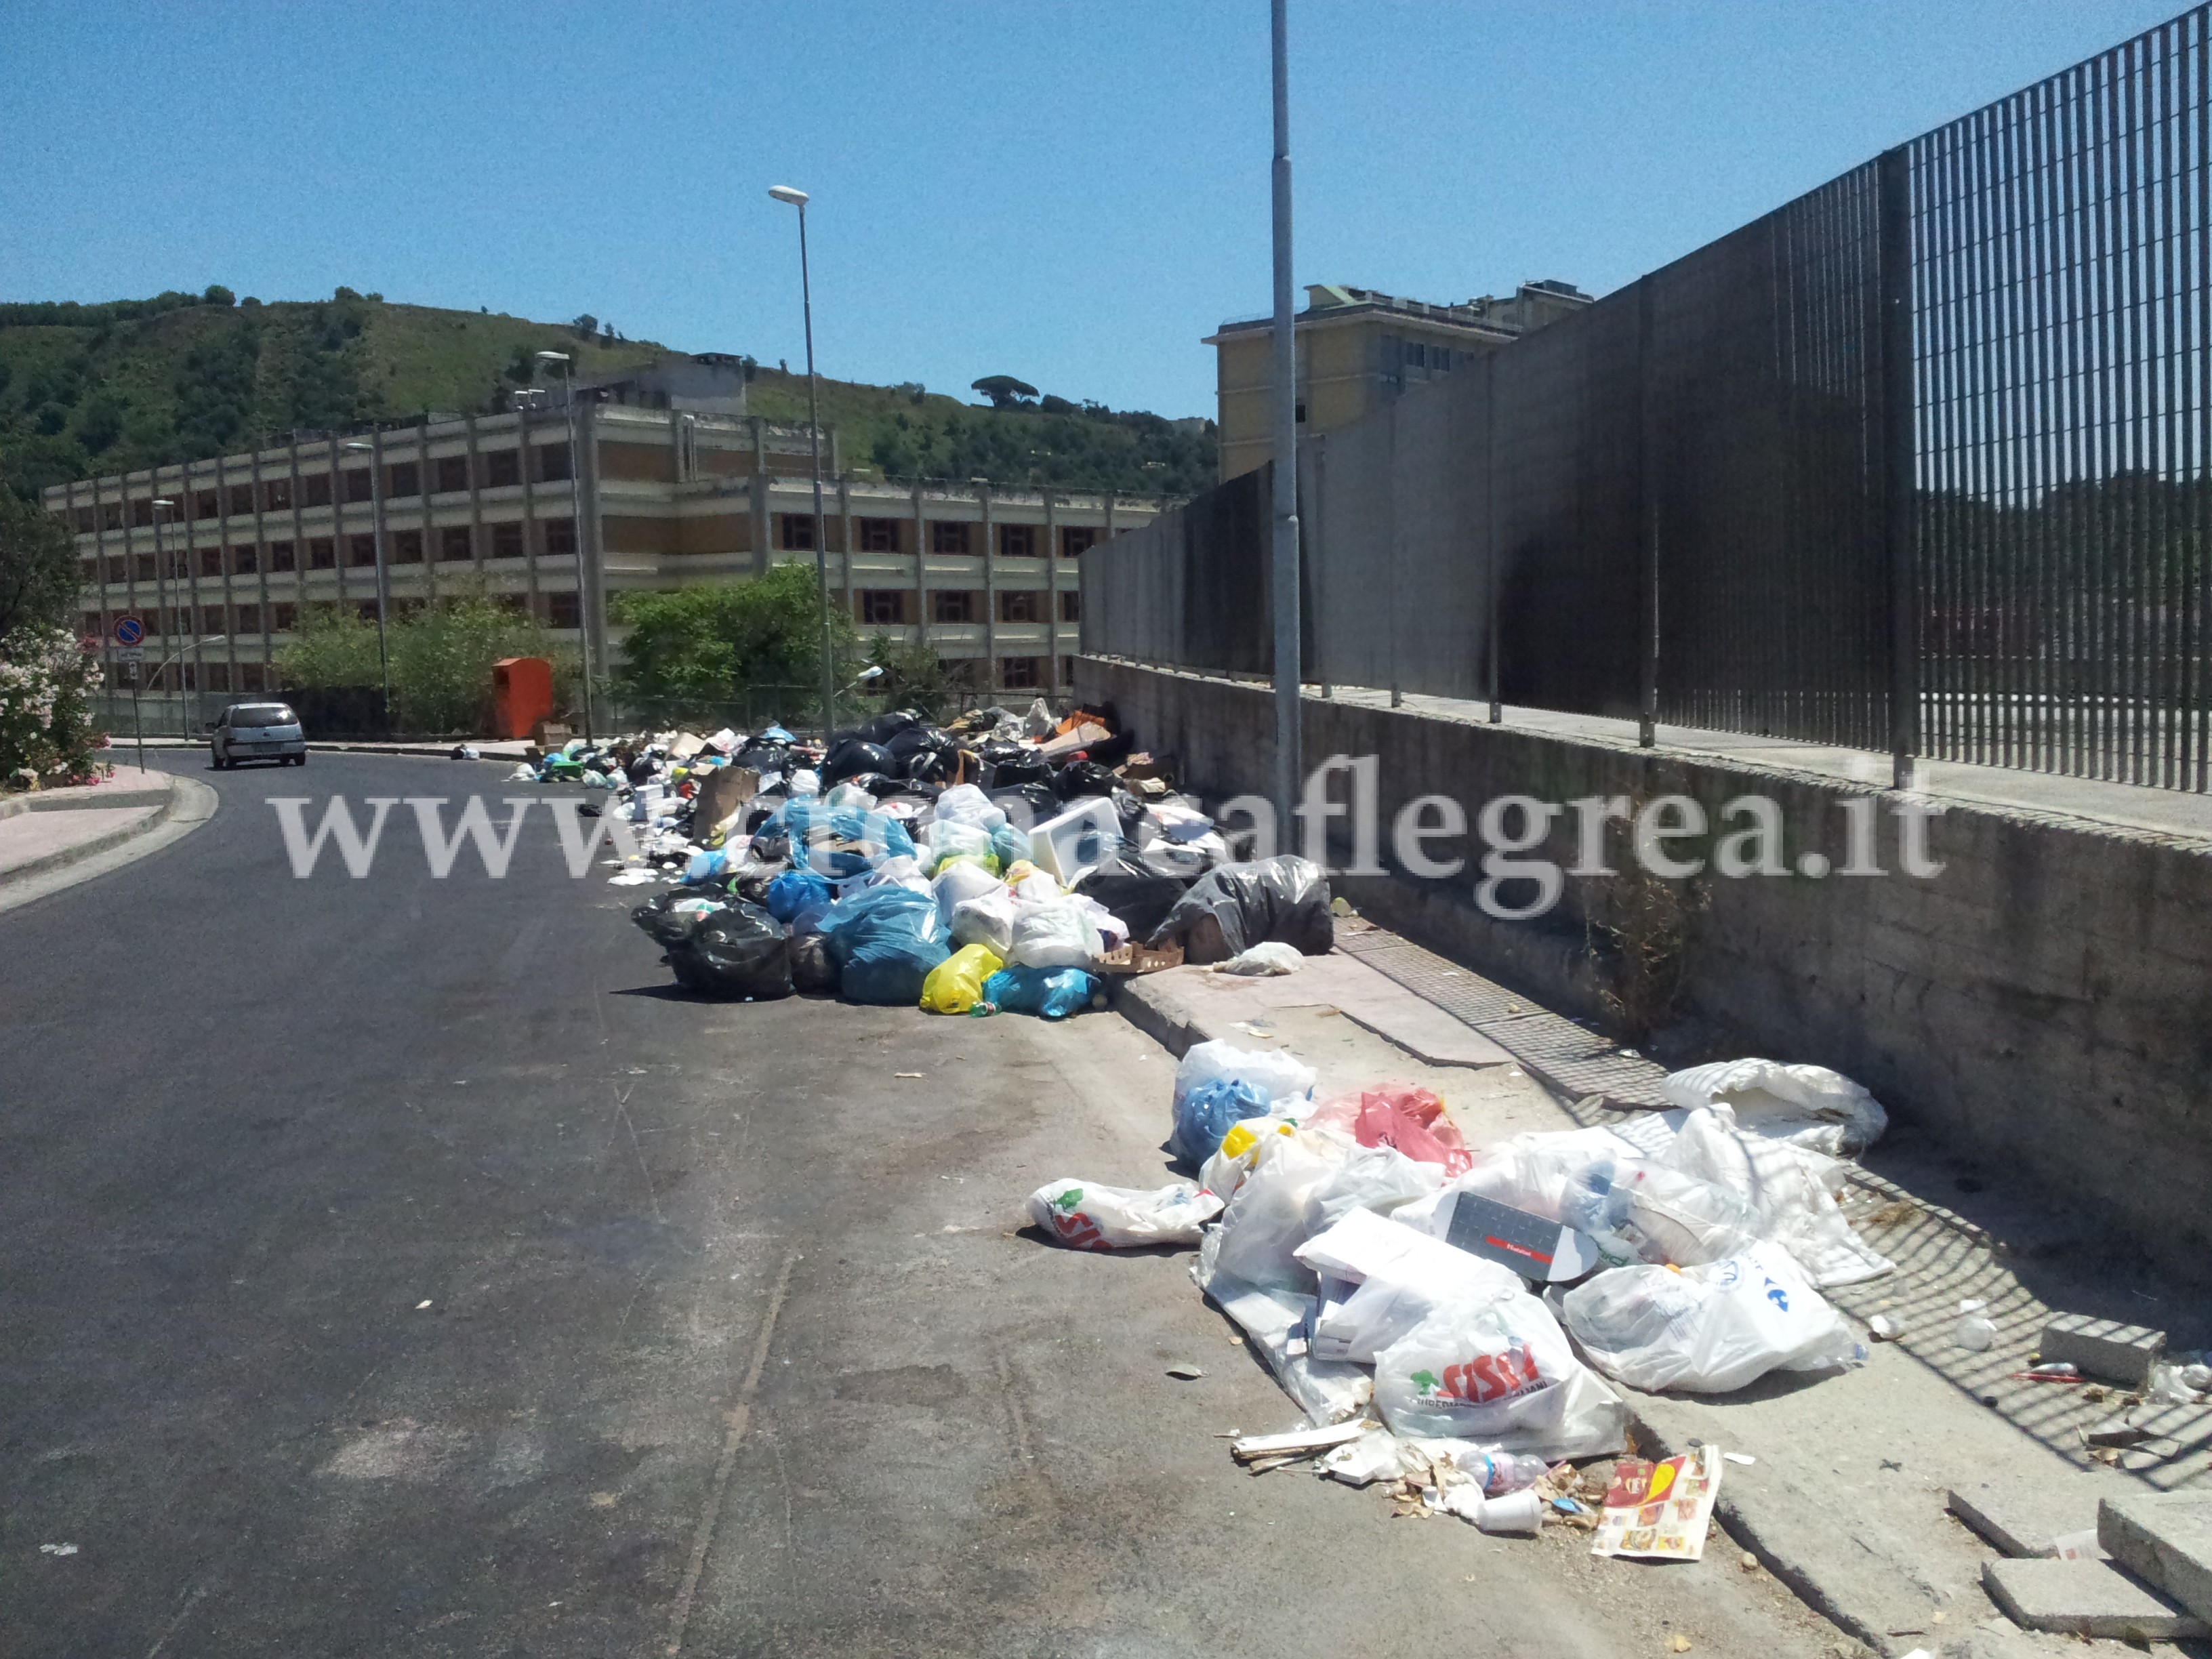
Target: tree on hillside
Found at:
38, 566
1004, 390
585, 325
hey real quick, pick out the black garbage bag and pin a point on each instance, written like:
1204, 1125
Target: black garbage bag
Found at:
1141, 897
669, 926
1129, 810
741, 952
850, 757
877, 784
1084, 777
753, 886
811, 970
764, 755
1027, 804
641, 769
1022, 766
886, 726
931, 766
1237, 906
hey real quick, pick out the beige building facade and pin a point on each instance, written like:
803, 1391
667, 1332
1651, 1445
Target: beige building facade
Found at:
1357, 350
219, 559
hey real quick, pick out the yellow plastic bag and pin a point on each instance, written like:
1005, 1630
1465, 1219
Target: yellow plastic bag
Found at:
955, 984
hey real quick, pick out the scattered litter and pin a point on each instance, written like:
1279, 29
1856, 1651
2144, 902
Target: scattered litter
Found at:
1973, 1332
1268, 956
2059, 1371
1091, 1217
57, 1549
1660, 1511
1185, 1373
1744, 1458
424, 1304
1883, 1328
906, 1074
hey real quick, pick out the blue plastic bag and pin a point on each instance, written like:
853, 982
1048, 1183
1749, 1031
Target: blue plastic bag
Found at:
810, 825
1011, 845
1055, 993
885, 941
1207, 1113
707, 866
795, 890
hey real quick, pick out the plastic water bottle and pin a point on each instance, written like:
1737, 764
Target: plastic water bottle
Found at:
1503, 1472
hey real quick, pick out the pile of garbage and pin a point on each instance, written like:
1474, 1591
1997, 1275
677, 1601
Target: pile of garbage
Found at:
1449, 1317
999, 863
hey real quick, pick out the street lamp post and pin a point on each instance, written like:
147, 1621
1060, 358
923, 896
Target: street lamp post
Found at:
798, 198
1283, 561
576, 527
375, 452
165, 581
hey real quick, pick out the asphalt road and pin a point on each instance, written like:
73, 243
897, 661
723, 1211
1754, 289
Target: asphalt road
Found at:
399, 1266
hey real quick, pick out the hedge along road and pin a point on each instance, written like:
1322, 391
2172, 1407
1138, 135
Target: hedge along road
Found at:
398, 1265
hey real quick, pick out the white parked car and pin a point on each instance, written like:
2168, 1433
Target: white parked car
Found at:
257, 731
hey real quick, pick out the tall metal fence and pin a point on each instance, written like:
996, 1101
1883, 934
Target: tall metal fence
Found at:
1916, 462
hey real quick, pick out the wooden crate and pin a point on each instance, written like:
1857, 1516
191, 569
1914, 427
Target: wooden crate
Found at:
1136, 958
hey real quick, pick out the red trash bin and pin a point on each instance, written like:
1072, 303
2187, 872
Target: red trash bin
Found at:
521, 694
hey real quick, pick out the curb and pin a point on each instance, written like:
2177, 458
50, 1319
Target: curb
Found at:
186, 805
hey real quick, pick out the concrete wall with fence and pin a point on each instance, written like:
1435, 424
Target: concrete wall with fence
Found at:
2044, 1005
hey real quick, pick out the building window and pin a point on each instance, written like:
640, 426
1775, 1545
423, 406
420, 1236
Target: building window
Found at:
360, 551
1299, 414
322, 554
142, 511
560, 537
276, 495
795, 531
1018, 541
878, 535
143, 566
241, 501
1019, 673
358, 486
564, 610
218, 677
948, 536
89, 572
1077, 539
502, 467
951, 604
111, 516
1067, 670
453, 541
119, 570
552, 463
407, 547
83, 518
249, 619
883, 607
1071, 605
453, 473
283, 618
245, 561
1022, 607
89, 627
316, 488
507, 540
212, 619
250, 676
402, 480
280, 555
211, 561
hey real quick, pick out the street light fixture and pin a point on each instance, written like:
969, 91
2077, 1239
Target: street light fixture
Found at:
375, 453
576, 526
173, 583
798, 198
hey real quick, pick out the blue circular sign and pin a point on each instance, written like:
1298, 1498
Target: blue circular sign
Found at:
129, 630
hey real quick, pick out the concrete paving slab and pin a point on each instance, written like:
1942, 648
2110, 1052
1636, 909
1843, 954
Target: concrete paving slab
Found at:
2165, 1540
2103, 1347
2020, 1519
2088, 1598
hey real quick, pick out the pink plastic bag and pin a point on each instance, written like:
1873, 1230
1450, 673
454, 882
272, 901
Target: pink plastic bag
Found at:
1399, 1114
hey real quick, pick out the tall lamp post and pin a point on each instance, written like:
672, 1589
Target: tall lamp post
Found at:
166, 582
383, 584
1284, 562
798, 198
576, 524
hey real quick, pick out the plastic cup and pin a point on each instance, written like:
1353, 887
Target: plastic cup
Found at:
1516, 1511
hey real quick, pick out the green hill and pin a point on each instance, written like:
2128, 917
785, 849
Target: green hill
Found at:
92, 389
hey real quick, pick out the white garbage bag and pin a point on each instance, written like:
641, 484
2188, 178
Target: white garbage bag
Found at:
1268, 956
1239, 1153
958, 883
1276, 1209
986, 919
1379, 1179
1810, 1105
1057, 935
1379, 1280
1709, 1329
1781, 1184
964, 803
1658, 1214
1091, 1217
949, 838
1276, 1322
1275, 1074
1500, 1372
1541, 1172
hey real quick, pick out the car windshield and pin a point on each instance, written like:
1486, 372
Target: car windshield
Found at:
267, 713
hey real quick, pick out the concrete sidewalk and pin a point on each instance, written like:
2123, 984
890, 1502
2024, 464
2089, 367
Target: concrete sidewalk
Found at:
53, 838
1846, 1501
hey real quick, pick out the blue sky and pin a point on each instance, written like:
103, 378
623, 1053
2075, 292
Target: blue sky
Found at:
1074, 194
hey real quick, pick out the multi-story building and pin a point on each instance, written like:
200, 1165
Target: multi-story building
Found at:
221, 558
1356, 349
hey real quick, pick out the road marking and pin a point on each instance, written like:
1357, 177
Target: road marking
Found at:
739, 1420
